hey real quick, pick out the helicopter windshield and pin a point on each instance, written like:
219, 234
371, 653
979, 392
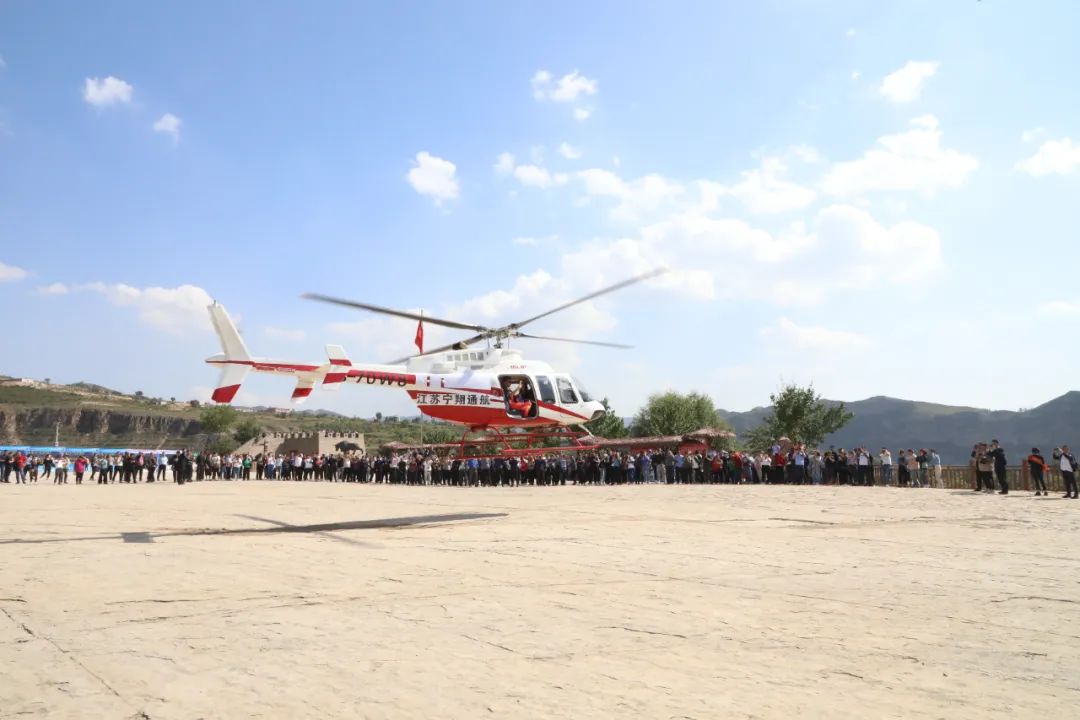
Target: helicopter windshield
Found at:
586, 396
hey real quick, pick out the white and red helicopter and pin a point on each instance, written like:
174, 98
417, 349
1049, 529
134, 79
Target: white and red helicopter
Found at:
487, 391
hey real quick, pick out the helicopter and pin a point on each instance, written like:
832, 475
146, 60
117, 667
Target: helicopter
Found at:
495, 391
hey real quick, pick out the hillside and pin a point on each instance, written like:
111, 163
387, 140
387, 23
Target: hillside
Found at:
884, 421
90, 415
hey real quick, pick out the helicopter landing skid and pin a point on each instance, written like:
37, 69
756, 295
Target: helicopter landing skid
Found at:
493, 443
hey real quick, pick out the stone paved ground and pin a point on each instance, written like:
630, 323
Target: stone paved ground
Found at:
314, 600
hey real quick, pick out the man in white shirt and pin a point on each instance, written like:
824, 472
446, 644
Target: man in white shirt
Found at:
1067, 464
798, 458
866, 476
886, 466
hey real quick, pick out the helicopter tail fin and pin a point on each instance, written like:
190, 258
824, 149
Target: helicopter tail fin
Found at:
235, 360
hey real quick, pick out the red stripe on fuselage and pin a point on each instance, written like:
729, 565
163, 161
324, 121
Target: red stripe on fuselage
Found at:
478, 416
334, 378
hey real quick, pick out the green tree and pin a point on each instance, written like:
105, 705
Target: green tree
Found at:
217, 419
222, 444
246, 429
799, 414
673, 413
608, 425
435, 434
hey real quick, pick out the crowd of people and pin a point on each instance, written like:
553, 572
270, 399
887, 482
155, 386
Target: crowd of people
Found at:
787, 464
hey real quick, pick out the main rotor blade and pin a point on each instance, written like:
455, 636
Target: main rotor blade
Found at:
459, 345
590, 296
569, 340
391, 311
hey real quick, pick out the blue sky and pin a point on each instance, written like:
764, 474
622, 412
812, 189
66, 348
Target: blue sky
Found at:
879, 198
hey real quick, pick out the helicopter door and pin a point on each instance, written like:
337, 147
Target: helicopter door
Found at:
547, 390
519, 396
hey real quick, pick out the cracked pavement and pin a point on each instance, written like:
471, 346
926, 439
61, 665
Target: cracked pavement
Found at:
301, 600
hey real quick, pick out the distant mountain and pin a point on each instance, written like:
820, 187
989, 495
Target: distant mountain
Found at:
889, 422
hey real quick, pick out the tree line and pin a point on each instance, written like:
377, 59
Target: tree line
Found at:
797, 413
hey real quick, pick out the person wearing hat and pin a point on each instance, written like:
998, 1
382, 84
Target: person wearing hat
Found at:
1038, 467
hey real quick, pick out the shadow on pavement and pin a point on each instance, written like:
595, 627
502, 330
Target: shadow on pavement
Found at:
276, 527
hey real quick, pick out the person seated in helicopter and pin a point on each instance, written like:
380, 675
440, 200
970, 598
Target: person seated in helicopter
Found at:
518, 402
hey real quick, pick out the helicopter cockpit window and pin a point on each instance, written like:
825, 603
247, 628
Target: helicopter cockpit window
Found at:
585, 395
547, 390
566, 390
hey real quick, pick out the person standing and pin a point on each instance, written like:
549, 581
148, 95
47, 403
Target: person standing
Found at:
935, 462
885, 457
1067, 464
985, 464
997, 453
923, 459
913, 468
798, 465
1037, 467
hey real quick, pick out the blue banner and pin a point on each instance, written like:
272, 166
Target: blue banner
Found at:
49, 450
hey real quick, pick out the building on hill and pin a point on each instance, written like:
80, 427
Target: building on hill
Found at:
322, 442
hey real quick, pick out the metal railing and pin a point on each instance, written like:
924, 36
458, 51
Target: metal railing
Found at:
962, 477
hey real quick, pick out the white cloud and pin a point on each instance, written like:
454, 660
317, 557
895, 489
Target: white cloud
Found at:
1032, 135
284, 334
504, 164
1060, 307
905, 85
734, 238
569, 152
536, 176
917, 245
807, 153
582, 114
765, 190
57, 288
850, 32
643, 195
814, 337
535, 241
170, 125
855, 75
566, 89
175, 310
1059, 157
912, 160
11, 273
434, 177
111, 90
